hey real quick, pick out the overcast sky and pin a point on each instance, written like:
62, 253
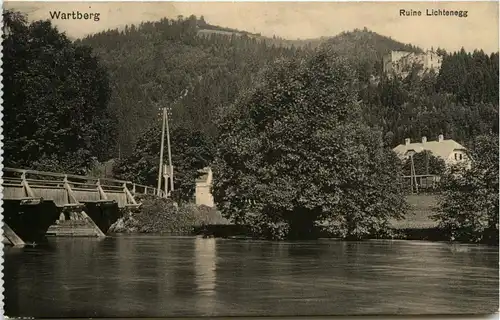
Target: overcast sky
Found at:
294, 20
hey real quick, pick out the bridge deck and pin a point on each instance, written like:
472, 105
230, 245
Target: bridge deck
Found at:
67, 189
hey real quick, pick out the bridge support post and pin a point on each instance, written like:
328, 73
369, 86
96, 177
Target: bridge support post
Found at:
102, 194
77, 221
12, 237
26, 186
98, 230
71, 195
130, 197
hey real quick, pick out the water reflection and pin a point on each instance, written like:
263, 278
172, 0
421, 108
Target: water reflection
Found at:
157, 276
205, 274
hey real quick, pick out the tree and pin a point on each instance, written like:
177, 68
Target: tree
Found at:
191, 151
55, 100
468, 208
293, 155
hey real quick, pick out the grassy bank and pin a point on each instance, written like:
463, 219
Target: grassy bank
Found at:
157, 215
418, 224
419, 216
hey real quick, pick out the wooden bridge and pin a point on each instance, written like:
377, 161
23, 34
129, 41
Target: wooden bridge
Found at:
35, 200
68, 189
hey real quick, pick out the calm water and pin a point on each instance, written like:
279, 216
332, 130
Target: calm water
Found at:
167, 276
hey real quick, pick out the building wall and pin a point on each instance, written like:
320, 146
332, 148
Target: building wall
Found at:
203, 195
432, 61
387, 63
399, 61
389, 60
458, 156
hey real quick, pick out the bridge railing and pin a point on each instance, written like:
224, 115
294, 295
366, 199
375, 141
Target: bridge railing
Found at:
16, 177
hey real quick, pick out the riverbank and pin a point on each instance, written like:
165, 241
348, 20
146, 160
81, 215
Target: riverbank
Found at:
157, 215
164, 216
417, 225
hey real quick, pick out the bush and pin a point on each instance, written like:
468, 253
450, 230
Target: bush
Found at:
158, 215
468, 206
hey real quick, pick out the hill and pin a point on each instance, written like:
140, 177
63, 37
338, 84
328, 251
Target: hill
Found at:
151, 64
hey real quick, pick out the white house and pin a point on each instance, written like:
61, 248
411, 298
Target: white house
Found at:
449, 150
203, 195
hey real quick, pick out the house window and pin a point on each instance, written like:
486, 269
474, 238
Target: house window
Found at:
456, 156
460, 156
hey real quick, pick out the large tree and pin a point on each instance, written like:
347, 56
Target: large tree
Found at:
293, 153
55, 99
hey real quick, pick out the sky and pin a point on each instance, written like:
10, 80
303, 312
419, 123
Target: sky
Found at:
292, 20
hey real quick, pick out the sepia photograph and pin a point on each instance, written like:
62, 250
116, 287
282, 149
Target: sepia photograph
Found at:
250, 159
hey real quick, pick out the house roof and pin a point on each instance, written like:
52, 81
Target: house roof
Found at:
440, 149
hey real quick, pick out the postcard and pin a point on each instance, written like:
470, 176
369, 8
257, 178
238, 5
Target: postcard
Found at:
250, 159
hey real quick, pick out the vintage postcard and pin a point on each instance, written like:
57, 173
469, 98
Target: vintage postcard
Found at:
222, 159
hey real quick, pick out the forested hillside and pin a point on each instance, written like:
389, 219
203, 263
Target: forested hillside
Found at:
158, 60
150, 65
460, 102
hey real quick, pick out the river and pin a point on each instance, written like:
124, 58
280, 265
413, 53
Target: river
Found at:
159, 276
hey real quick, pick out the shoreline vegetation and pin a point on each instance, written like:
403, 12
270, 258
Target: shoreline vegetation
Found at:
164, 216
160, 215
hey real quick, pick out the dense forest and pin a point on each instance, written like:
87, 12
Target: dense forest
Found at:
461, 102
196, 69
